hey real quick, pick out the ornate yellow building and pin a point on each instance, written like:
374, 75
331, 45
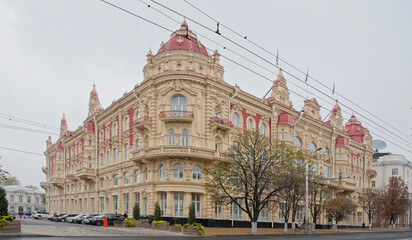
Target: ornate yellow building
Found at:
152, 144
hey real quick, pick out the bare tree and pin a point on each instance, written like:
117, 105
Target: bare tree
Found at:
250, 172
369, 203
318, 195
340, 207
394, 200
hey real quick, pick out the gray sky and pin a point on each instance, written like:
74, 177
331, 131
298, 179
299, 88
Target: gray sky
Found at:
51, 53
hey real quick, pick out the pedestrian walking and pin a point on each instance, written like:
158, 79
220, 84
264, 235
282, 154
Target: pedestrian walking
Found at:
125, 215
150, 221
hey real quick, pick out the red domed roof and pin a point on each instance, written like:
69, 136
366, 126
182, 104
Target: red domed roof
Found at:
183, 39
354, 129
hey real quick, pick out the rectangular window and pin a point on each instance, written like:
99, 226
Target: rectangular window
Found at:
80, 205
394, 172
235, 211
115, 206
108, 158
264, 215
340, 175
101, 182
373, 183
360, 182
126, 152
85, 205
114, 155
102, 205
145, 206
282, 136
326, 171
137, 199
172, 140
163, 203
196, 201
218, 210
90, 142
340, 156
101, 159
359, 218
126, 203
178, 204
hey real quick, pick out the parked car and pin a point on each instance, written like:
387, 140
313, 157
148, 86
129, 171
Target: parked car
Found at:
64, 217
72, 218
111, 218
40, 215
93, 220
85, 219
54, 217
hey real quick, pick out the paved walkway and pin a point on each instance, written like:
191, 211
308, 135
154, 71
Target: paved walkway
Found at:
247, 231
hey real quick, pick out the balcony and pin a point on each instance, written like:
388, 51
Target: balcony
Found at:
56, 181
143, 154
86, 174
371, 173
143, 122
71, 177
348, 186
220, 123
176, 116
44, 170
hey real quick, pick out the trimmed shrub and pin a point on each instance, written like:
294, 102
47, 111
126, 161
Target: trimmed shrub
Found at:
192, 215
157, 214
129, 222
136, 211
3, 202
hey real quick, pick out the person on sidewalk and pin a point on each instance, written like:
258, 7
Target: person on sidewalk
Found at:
125, 215
150, 221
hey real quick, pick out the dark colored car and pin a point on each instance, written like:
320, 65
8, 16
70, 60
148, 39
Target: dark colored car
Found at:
111, 218
93, 220
53, 218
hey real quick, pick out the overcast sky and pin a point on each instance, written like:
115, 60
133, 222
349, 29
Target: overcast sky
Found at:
51, 53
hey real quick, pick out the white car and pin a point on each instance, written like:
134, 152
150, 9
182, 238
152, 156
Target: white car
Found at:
40, 215
71, 219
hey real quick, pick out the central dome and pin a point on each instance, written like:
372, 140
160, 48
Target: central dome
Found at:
183, 39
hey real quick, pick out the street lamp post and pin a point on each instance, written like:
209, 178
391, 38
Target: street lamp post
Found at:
307, 192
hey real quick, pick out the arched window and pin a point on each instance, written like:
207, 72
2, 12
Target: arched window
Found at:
171, 137
162, 171
262, 129
37, 200
178, 103
197, 173
311, 146
185, 137
115, 129
249, 124
325, 151
126, 123
115, 182
126, 151
178, 171
137, 176
126, 179
235, 119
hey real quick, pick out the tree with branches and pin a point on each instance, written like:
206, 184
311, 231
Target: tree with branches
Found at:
369, 203
249, 176
292, 171
340, 207
318, 195
394, 199
3, 174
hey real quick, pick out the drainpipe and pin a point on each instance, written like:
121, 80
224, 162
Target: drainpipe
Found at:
64, 176
95, 169
294, 127
230, 99
333, 155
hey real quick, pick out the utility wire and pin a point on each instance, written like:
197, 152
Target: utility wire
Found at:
27, 129
29, 122
269, 62
291, 65
222, 55
17, 150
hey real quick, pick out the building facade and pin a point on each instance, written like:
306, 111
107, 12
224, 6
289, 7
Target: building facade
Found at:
387, 166
23, 199
152, 144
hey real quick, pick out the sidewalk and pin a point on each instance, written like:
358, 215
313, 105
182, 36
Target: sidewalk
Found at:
268, 231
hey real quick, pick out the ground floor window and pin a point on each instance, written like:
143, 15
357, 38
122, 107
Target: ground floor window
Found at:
359, 219
126, 203
235, 211
115, 204
102, 205
163, 203
218, 210
178, 204
145, 207
196, 202
92, 201
264, 215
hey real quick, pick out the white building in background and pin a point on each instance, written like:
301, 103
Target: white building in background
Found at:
393, 165
23, 199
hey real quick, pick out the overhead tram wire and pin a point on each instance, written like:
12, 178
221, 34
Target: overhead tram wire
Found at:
22, 151
269, 62
212, 50
291, 65
27, 129
29, 122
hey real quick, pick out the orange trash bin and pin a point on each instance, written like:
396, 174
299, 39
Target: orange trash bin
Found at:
105, 222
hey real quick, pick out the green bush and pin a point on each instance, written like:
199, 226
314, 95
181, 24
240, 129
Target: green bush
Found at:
129, 222
136, 211
157, 213
4, 219
192, 214
158, 223
199, 227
